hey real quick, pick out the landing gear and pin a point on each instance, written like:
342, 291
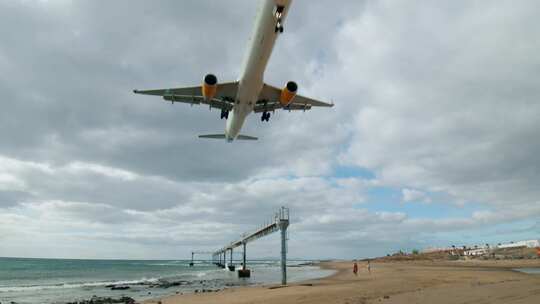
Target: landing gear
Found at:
278, 14
224, 114
265, 116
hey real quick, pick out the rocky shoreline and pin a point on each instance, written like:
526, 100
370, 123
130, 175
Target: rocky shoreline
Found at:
197, 286
203, 285
106, 300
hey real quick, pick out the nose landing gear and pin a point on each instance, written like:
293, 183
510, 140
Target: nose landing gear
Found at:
265, 116
278, 14
224, 114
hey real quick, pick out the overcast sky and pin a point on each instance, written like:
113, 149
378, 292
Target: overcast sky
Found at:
433, 140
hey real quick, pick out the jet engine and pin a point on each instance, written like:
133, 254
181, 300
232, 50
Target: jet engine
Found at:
288, 93
209, 86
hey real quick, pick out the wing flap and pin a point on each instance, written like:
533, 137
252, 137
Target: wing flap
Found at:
269, 107
214, 103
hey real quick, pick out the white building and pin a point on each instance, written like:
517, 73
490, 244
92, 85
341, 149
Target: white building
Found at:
435, 249
476, 251
528, 244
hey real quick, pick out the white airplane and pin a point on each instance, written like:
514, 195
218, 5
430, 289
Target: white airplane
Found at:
249, 94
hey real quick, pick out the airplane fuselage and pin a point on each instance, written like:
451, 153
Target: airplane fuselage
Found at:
251, 79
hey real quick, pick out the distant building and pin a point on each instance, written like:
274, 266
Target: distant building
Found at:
520, 244
483, 249
476, 251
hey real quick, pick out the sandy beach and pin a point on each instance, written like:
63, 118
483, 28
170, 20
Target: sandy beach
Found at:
394, 282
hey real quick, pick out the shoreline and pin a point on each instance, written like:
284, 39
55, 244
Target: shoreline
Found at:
326, 265
106, 281
392, 282
321, 265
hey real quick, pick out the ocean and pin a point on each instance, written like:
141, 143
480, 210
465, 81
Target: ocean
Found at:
57, 281
529, 270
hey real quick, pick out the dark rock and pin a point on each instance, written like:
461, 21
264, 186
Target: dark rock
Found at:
107, 300
166, 284
120, 287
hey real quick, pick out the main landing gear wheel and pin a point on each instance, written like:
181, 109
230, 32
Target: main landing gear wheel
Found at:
224, 114
265, 116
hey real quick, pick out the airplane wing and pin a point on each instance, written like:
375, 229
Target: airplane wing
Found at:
269, 101
224, 98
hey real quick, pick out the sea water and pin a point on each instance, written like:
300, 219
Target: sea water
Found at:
29, 281
529, 270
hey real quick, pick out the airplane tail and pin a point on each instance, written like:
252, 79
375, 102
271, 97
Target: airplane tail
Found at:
213, 136
222, 136
246, 137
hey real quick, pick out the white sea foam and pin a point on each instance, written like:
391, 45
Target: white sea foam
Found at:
74, 285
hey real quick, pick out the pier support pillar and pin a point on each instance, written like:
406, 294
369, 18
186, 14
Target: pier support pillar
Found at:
244, 272
244, 256
231, 266
283, 224
192, 255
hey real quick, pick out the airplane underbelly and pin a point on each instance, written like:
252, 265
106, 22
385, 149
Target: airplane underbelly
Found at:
234, 123
246, 98
251, 80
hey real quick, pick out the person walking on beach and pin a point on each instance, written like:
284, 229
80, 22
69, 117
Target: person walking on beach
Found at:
368, 267
355, 269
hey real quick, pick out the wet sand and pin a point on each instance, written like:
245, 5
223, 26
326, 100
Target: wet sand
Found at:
394, 282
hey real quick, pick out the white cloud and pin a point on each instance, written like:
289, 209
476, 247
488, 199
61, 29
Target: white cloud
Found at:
101, 170
412, 195
451, 107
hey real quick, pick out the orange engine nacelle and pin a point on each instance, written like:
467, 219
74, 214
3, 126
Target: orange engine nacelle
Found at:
288, 93
209, 87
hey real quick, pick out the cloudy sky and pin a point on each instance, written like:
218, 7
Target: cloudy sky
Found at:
433, 141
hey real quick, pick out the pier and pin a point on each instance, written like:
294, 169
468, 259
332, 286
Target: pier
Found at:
279, 222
